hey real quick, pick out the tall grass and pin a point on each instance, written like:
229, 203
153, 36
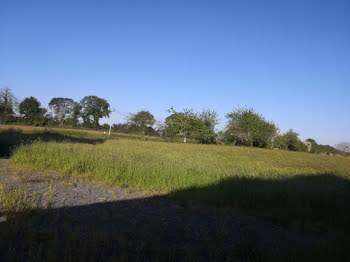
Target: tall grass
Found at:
287, 187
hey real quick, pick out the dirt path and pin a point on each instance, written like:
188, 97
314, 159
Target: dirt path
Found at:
116, 222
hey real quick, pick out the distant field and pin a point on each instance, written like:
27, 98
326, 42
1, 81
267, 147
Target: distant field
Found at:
293, 189
65, 130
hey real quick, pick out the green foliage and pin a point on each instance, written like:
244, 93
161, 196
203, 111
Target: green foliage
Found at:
7, 104
92, 109
5, 112
141, 121
290, 141
314, 145
280, 142
30, 108
62, 107
245, 126
210, 120
74, 119
327, 149
189, 125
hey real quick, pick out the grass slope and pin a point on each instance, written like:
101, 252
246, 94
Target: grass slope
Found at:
294, 189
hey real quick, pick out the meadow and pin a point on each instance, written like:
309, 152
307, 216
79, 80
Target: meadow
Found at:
292, 189
287, 187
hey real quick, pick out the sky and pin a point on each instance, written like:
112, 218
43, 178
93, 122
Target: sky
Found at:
289, 60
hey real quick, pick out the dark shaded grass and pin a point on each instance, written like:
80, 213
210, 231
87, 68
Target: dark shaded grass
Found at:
320, 202
80, 234
12, 138
106, 232
316, 202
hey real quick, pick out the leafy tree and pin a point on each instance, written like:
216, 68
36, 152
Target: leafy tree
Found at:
293, 142
73, 120
210, 120
249, 127
8, 103
314, 145
327, 149
62, 107
141, 120
187, 125
234, 134
92, 109
290, 141
76, 113
30, 108
280, 142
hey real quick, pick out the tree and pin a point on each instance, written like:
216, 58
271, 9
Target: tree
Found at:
161, 127
76, 114
62, 107
344, 147
234, 134
280, 142
210, 120
8, 103
293, 142
327, 149
30, 108
92, 109
248, 126
141, 120
187, 125
290, 141
314, 145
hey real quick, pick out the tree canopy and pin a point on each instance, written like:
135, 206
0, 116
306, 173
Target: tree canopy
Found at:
62, 107
248, 127
189, 125
92, 109
141, 121
290, 141
8, 102
30, 108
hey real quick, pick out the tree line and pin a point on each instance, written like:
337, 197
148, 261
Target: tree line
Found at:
244, 126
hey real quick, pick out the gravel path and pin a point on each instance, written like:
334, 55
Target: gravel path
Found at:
149, 223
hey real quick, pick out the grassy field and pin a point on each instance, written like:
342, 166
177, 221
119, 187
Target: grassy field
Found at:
293, 189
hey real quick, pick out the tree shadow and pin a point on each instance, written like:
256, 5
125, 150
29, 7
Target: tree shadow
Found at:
160, 228
11, 138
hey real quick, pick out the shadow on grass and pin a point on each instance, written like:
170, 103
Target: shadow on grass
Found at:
147, 229
160, 228
11, 138
320, 202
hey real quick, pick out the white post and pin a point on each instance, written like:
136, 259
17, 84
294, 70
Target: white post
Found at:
109, 132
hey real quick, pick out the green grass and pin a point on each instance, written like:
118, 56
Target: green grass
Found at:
291, 188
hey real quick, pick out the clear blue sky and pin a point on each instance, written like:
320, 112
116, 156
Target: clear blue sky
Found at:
290, 60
